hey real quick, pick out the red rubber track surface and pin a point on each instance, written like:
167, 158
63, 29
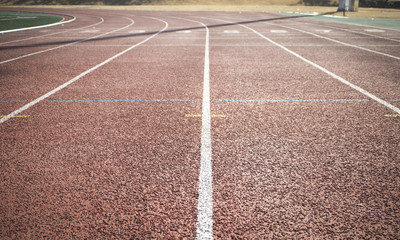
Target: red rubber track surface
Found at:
296, 154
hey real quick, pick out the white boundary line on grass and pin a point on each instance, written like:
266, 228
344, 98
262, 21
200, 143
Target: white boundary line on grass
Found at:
366, 93
205, 201
37, 100
66, 45
42, 26
54, 33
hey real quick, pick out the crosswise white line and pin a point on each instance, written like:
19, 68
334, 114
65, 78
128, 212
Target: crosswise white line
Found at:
37, 100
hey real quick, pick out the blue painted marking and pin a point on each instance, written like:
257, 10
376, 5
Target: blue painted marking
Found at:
293, 100
394, 100
126, 100
8, 101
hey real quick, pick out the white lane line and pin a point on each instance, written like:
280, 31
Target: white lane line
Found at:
205, 202
366, 93
42, 26
46, 35
336, 41
37, 100
66, 45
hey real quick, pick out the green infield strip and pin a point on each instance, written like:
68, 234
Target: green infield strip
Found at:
16, 20
390, 23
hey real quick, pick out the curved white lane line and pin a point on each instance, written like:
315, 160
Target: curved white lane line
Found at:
366, 93
205, 201
66, 45
37, 100
19, 40
36, 27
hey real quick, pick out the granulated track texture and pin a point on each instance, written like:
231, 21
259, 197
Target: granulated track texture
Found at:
296, 154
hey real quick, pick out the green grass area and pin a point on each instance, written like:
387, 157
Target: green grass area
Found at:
390, 23
15, 20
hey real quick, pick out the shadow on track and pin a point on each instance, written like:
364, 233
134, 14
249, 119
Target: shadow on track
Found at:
95, 39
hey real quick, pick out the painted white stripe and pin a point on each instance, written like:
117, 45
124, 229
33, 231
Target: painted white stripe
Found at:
374, 30
46, 35
231, 31
205, 202
91, 31
37, 100
324, 30
278, 31
66, 45
137, 31
185, 31
366, 93
37, 27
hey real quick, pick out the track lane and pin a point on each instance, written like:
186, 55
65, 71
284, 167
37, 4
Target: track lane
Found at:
344, 63
309, 166
290, 169
141, 183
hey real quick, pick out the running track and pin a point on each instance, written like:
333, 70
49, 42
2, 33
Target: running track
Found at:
178, 125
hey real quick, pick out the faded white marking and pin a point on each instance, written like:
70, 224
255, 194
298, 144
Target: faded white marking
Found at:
279, 31
91, 31
137, 31
184, 31
231, 31
324, 30
374, 30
